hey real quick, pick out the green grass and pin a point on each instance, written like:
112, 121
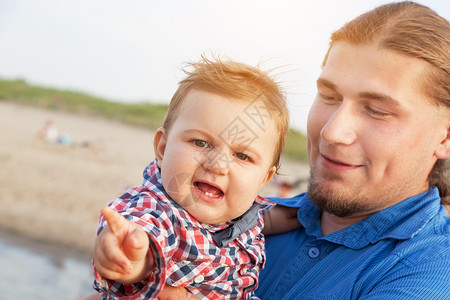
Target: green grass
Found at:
140, 114
295, 147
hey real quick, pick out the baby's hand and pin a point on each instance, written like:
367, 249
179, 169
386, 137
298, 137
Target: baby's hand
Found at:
121, 249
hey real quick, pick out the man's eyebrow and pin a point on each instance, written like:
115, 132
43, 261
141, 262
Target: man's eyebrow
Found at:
367, 95
326, 83
380, 97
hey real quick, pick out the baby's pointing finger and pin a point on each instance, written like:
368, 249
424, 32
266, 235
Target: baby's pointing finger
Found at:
115, 221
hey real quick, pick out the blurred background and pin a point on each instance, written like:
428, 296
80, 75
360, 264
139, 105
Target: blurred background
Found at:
84, 83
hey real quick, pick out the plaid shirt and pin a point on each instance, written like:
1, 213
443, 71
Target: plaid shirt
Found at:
183, 249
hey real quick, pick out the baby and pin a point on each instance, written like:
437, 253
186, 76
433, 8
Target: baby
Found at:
196, 220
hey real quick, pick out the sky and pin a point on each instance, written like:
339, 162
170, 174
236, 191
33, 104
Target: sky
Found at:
133, 51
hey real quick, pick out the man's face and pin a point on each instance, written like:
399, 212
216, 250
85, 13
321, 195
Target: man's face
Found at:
372, 133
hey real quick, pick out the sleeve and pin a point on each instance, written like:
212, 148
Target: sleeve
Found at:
152, 217
425, 281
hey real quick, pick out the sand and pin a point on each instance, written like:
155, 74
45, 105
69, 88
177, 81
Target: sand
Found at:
53, 192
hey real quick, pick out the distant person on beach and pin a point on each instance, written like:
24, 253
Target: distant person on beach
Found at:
374, 224
50, 134
196, 220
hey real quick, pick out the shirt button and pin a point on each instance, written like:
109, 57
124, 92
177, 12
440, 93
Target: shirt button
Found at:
199, 279
313, 252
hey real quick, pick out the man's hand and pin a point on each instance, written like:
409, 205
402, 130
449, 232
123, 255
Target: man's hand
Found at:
121, 249
280, 219
175, 293
168, 293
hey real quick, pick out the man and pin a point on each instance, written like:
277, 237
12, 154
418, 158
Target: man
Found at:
378, 137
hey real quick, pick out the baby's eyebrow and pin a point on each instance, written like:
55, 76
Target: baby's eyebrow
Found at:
195, 131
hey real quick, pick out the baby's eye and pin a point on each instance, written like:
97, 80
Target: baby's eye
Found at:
242, 156
200, 144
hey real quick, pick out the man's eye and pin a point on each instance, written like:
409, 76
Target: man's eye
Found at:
241, 156
328, 98
201, 144
376, 113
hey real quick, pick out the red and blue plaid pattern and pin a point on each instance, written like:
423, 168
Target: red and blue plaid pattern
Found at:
184, 250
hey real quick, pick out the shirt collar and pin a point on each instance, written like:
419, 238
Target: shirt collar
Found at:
401, 221
153, 182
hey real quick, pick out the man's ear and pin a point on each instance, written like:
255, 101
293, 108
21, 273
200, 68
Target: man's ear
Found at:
159, 144
443, 149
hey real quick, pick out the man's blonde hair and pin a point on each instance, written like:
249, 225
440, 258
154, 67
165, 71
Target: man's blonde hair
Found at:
238, 81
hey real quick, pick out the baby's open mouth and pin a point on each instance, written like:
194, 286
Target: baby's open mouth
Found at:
208, 189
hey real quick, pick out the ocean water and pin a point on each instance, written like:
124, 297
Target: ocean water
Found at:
36, 270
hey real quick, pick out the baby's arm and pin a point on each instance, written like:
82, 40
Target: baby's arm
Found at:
121, 250
280, 219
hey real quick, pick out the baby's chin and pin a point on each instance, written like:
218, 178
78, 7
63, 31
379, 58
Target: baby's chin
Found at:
207, 217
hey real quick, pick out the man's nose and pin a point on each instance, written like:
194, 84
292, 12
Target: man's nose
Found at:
341, 127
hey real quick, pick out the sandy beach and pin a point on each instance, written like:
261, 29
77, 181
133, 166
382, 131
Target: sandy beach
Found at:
54, 192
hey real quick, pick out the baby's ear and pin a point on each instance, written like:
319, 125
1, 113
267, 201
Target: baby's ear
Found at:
269, 175
159, 144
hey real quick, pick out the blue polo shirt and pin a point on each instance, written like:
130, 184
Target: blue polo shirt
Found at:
401, 252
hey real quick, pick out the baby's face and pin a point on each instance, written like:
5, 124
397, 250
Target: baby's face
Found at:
217, 155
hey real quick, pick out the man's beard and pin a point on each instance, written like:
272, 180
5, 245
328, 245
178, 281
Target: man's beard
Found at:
337, 203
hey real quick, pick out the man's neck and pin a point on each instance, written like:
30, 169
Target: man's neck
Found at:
331, 223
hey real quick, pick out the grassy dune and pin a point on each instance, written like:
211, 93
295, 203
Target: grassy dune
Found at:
140, 114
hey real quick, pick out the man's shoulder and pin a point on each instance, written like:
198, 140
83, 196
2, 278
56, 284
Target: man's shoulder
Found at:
295, 201
432, 243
